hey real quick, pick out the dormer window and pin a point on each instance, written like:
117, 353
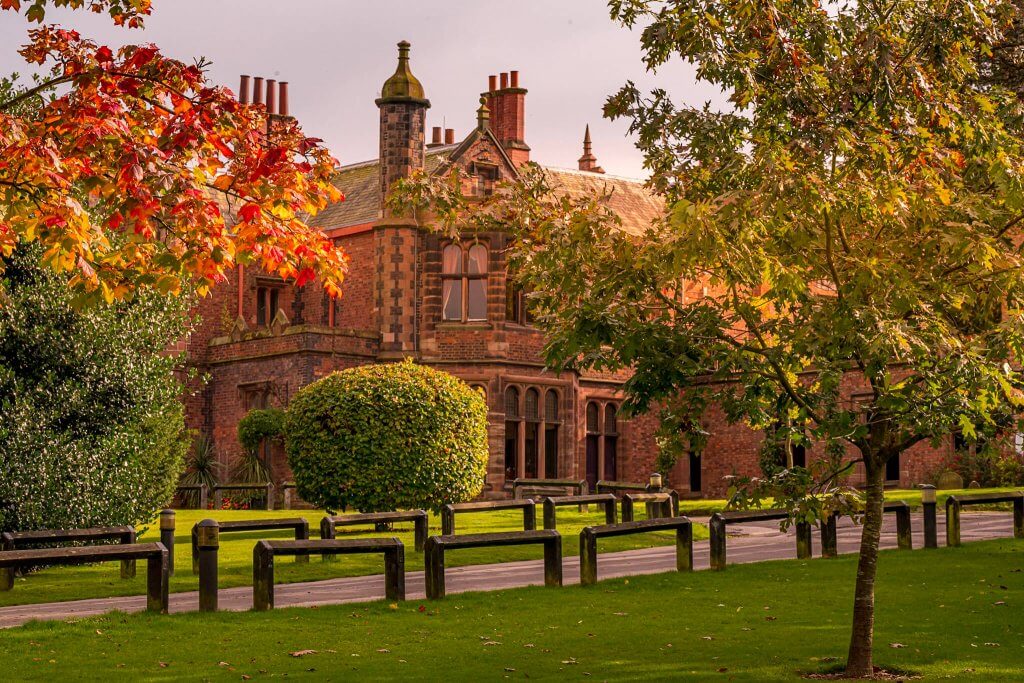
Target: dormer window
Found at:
486, 176
464, 283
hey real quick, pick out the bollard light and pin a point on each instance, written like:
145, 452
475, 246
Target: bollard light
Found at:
927, 493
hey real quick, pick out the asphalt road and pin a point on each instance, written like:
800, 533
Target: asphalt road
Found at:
753, 542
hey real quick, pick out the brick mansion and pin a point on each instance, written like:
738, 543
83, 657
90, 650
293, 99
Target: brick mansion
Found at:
450, 305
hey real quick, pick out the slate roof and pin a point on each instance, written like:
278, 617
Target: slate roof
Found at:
360, 183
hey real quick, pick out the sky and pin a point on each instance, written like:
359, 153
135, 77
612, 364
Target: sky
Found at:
336, 54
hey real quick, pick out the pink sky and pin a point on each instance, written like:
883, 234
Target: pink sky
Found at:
336, 54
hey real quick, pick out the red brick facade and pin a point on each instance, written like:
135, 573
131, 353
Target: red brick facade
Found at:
394, 306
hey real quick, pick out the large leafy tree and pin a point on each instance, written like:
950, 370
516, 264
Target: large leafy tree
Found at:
132, 171
839, 261
92, 426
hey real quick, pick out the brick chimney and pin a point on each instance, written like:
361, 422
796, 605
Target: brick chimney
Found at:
507, 104
396, 238
588, 162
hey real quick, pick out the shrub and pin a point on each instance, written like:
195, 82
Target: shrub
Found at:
385, 437
202, 468
260, 424
92, 426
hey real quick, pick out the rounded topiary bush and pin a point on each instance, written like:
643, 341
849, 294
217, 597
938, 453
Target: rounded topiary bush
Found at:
387, 437
259, 424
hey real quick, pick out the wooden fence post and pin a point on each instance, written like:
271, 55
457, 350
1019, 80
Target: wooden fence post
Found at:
588, 557
717, 528
684, 548
262, 577
952, 522
904, 537
931, 528
447, 521
158, 583
553, 561
394, 573
208, 543
1018, 518
167, 537
433, 566
128, 566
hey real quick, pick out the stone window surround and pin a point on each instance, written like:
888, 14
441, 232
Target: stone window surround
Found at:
603, 435
541, 420
464, 276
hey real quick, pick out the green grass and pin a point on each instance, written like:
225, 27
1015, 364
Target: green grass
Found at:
766, 621
235, 554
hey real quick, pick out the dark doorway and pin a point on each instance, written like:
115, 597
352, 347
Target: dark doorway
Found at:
695, 480
592, 460
892, 468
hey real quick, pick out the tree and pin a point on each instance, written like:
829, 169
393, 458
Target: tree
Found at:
839, 261
387, 437
133, 172
92, 427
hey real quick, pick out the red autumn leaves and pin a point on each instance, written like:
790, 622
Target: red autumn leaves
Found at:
131, 171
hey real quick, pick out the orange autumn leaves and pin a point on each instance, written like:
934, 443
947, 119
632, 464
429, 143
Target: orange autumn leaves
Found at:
131, 171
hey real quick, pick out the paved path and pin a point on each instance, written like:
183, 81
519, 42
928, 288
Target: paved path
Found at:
747, 543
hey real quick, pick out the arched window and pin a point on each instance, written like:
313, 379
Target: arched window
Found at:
464, 283
551, 425
512, 421
602, 442
532, 440
593, 444
611, 442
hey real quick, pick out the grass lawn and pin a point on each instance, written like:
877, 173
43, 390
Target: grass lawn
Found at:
235, 555
942, 613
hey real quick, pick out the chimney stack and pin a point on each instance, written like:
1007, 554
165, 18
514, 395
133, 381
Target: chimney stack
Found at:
282, 100
435, 137
257, 90
243, 90
588, 162
449, 136
506, 102
271, 96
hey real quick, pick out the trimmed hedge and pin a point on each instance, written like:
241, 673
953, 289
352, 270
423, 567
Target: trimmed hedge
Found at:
387, 437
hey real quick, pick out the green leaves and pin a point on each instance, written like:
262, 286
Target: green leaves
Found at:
387, 437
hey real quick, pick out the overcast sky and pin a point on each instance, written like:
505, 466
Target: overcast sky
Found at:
337, 53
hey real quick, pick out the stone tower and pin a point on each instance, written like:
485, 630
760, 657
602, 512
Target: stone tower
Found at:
403, 113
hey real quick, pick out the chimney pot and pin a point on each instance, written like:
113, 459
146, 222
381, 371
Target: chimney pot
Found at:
271, 96
449, 136
257, 90
282, 100
435, 135
492, 83
504, 80
243, 90
515, 78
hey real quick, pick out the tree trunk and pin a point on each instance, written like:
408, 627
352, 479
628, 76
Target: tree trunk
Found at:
859, 663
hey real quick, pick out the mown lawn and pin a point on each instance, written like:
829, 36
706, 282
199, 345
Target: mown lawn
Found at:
235, 555
947, 613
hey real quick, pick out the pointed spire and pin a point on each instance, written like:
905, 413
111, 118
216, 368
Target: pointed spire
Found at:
483, 115
588, 162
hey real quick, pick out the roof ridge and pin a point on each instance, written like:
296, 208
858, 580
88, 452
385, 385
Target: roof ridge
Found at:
591, 174
430, 151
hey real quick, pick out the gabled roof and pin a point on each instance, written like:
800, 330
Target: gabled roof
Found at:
636, 206
360, 183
